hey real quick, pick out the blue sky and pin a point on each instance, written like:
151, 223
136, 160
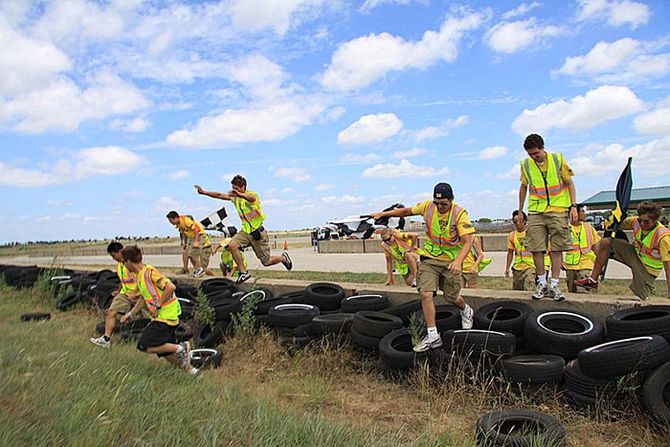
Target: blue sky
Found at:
111, 111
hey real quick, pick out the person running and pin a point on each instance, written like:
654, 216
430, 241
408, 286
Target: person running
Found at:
524, 276
580, 258
127, 300
159, 337
227, 264
184, 254
547, 180
253, 234
646, 256
198, 245
449, 240
400, 248
474, 263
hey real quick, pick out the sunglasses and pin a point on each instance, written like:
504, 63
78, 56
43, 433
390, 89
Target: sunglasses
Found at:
388, 239
441, 203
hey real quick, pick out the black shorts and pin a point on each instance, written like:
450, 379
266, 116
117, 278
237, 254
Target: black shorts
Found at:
156, 334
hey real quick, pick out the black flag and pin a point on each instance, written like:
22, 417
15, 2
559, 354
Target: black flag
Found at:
622, 200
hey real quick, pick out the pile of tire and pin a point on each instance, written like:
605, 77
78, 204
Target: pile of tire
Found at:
370, 327
561, 332
93, 289
516, 427
20, 277
225, 300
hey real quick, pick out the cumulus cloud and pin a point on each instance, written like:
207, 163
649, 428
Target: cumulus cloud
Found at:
581, 112
656, 122
85, 163
134, 125
359, 158
493, 152
259, 15
614, 12
179, 175
371, 129
520, 10
403, 169
510, 37
651, 159
324, 187
295, 174
369, 5
343, 199
414, 152
432, 132
384, 53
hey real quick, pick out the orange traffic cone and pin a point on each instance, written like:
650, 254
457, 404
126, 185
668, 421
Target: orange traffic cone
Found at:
285, 245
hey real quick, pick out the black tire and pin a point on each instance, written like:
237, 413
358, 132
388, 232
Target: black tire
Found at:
357, 303
184, 332
304, 330
324, 295
209, 337
578, 401
69, 301
472, 343
293, 342
264, 306
522, 428
338, 324
186, 291
562, 332
363, 342
211, 286
224, 309
612, 389
36, 316
447, 316
375, 324
639, 321
206, 358
404, 310
533, 369
292, 315
187, 308
656, 394
619, 357
502, 316
395, 350
220, 296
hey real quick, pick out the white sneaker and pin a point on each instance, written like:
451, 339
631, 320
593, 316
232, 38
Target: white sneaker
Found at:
466, 317
428, 343
555, 293
184, 356
199, 273
540, 292
100, 341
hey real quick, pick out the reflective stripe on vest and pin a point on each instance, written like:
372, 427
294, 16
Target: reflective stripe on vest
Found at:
582, 245
647, 248
252, 218
127, 278
445, 241
546, 190
151, 294
521, 255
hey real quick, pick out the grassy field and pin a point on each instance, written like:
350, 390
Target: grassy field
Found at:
58, 389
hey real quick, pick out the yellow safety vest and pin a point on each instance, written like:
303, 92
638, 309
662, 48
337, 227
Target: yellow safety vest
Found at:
398, 250
127, 278
522, 255
582, 244
151, 293
549, 190
251, 214
227, 258
485, 262
647, 247
441, 241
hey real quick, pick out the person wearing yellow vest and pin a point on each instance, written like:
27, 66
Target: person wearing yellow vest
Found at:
474, 263
198, 245
449, 235
228, 265
646, 256
524, 276
401, 252
580, 258
547, 180
253, 234
159, 337
127, 299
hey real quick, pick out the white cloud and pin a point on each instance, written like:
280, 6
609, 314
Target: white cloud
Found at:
581, 112
371, 129
513, 173
414, 152
403, 169
85, 163
432, 132
138, 124
343, 199
179, 175
369, 5
493, 152
295, 174
385, 53
510, 37
324, 187
656, 122
614, 12
359, 159
258, 15
520, 10
167, 203
624, 60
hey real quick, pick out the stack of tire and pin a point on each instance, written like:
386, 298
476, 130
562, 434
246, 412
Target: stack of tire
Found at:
370, 327
223, 298
85, 290
294, 322
21, 277
270, 301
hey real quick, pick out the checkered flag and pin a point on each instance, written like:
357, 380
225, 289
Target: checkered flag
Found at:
219, 221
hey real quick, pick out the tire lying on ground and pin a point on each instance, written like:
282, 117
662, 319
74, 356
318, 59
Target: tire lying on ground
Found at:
36, 316
332, 324
533, 369
292, 341
395, 350
207, 336
324, 295
184, 332
619, 357
519, 428
503, 316
639, 321
210, 286
357, 303
562, 332
291, 315
404, 310
614, 389
70, 301
447, 316
271, 301
206, 358
375, 324
472, 343
364, 342
656, 394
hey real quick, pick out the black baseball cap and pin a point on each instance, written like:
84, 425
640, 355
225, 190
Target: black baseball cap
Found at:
443, 191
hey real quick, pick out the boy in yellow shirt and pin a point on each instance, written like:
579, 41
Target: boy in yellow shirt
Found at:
227, 264
580, 258
400, 248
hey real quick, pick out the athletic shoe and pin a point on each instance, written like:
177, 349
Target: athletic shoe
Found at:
466, 317
199, 273
587, 283
555, 293
286, 260
540, 292
195, 372
184, 355
428, 343
414, 283
243, 277
100, 341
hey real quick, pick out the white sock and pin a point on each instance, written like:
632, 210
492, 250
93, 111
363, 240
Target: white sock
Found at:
554, 282
542, 279
432, 332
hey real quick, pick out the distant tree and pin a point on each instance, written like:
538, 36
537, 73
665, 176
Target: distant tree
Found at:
484, 220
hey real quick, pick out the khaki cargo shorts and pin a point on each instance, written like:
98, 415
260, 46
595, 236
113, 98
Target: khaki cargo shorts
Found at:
121, 304
523, 279
572, 276
548, 227
434, 275
261, 247
469, 279
202, 253
643, 281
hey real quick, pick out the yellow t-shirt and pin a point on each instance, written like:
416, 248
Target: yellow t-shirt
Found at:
521, 236
161, 281
584, 262
463, 227
566, 175
663, 246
